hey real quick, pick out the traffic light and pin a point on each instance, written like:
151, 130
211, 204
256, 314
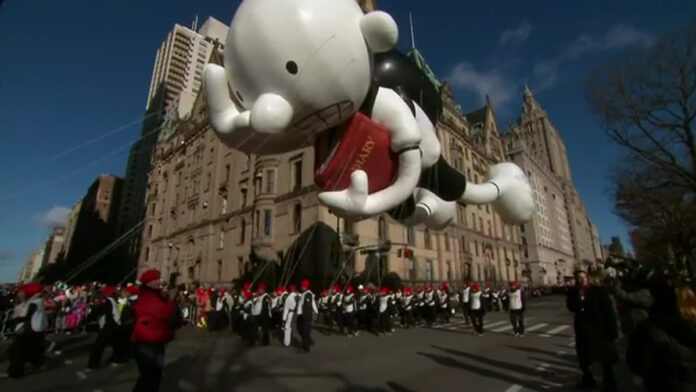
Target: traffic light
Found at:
398, 253
408, 253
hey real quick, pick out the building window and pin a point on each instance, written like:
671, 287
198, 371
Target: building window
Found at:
488, 225
296, 177
412, 270
480, 225
221, 238
219, 270
476, 248
147, 253
297, 218
190, 273
447, 242
429, 270
270, 181
449, 270
382, 229
410, 236
242, 231
245, 163
257, 185
240, 266
149, 231
257, 223
227, 172
428, 244
243, 195
267, 222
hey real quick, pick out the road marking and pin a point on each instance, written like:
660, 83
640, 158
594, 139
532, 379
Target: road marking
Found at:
506, 328
555, 331
538, 326
496, 323
542, 366
514, 388
561, 352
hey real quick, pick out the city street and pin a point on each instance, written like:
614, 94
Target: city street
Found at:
443, 358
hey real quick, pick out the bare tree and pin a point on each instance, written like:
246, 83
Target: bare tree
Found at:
647, 105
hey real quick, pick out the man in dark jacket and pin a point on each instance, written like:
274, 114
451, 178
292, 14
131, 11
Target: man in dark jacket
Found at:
596, 330
662, 349
156, 317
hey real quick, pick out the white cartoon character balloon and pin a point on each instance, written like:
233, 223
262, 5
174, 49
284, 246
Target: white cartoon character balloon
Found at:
302, 72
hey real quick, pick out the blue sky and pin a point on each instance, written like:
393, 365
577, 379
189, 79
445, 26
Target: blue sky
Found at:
76, 69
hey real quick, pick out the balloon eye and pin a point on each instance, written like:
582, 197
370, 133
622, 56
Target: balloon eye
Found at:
291, 66
239, 95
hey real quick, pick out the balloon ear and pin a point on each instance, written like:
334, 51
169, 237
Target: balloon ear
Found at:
379, 30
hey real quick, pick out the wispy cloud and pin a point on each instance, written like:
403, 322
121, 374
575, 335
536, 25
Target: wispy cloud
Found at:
618, 37
490, 82
515, 35
55, 217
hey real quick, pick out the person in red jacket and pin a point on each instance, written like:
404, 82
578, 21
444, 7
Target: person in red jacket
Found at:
156, 317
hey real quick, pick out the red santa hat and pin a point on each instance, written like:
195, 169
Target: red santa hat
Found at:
488, 285
513, 284
31, 289
132, 290
384, 290
324, 292
200, 291
430, 288
149, 276
281, 289
247, 294
108, 290
222, 291
336, 288
349, 289
261, 288
475, 286
419, 288
246, 286
443, 286
292, 288
305, 284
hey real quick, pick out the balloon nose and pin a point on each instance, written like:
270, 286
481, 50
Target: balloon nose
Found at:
271, 114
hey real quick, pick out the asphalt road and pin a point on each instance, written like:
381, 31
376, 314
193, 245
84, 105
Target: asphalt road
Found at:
443, 358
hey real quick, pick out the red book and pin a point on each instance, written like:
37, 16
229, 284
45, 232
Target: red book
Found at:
363, 145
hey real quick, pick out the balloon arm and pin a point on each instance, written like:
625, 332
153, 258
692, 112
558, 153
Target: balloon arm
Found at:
391, 111
355, 201
224, 115
480, 193
401, 189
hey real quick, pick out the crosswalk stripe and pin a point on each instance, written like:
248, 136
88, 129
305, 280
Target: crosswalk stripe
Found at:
505, 328
491, 325
555, 331
538, 326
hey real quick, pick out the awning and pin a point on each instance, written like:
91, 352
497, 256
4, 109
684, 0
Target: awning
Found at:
266, 254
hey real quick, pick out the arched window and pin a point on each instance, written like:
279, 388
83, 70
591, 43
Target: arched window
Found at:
447, 242
382, 229
297, 218
428, 244
242, 231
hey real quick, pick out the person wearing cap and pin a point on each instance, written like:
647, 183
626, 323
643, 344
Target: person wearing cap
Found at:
419, 305
443, 300
156, 318
261, 315
30, 326
430, 306
364, 307
306, 309
349, 306
290, 315
486, 298
477, 309
464, 298
108, 316
383, 309
495, 300
517, 303
336, 306
407, 306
